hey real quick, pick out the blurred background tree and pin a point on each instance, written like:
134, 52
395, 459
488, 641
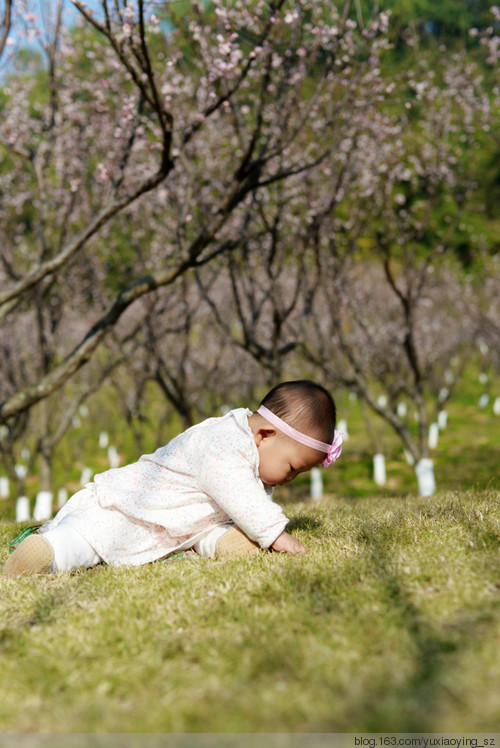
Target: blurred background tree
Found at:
200, 199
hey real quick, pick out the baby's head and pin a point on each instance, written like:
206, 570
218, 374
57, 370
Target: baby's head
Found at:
305, 406
301, 406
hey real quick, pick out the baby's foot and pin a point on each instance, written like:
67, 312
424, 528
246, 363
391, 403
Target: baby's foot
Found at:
33, 556
235, 543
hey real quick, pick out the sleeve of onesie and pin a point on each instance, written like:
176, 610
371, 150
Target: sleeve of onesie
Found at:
227, 476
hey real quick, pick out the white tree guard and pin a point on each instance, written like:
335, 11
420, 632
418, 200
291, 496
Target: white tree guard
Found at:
43, 506
379, 475
433, 435
316, 484
424, 470
22, 509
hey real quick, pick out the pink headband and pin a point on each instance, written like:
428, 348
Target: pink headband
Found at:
333, 451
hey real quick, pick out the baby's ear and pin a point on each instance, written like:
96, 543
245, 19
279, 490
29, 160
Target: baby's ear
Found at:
264, 433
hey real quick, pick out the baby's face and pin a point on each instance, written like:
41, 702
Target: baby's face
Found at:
281, 459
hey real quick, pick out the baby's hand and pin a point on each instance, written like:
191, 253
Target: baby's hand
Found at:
286, 543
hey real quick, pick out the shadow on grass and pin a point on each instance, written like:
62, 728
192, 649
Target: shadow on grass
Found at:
410, 690
304, 522
46, 606
417, 705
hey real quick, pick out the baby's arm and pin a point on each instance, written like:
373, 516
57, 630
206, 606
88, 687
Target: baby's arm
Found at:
228, 476
286, 543
242, 498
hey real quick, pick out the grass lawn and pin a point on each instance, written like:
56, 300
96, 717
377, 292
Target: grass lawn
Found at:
391, 623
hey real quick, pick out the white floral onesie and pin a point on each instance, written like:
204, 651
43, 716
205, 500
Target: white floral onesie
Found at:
206, 476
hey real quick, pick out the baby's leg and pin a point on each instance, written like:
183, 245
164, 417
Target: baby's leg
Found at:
60, 549
225, 541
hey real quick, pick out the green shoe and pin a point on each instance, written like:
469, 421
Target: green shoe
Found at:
180, 557
23, 534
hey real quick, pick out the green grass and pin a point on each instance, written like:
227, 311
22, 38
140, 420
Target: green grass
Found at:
391, 622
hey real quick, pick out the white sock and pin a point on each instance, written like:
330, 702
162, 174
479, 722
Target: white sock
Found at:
205, 546
71, 551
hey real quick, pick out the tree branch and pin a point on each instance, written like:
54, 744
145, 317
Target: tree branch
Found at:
5, 25
50, 266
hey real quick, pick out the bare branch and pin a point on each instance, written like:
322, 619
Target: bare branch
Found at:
84, 350
56, 262
5, 25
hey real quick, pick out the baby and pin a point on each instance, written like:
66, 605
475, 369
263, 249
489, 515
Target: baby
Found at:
209, 489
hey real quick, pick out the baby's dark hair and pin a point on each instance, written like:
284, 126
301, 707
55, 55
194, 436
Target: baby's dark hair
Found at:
306, 406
